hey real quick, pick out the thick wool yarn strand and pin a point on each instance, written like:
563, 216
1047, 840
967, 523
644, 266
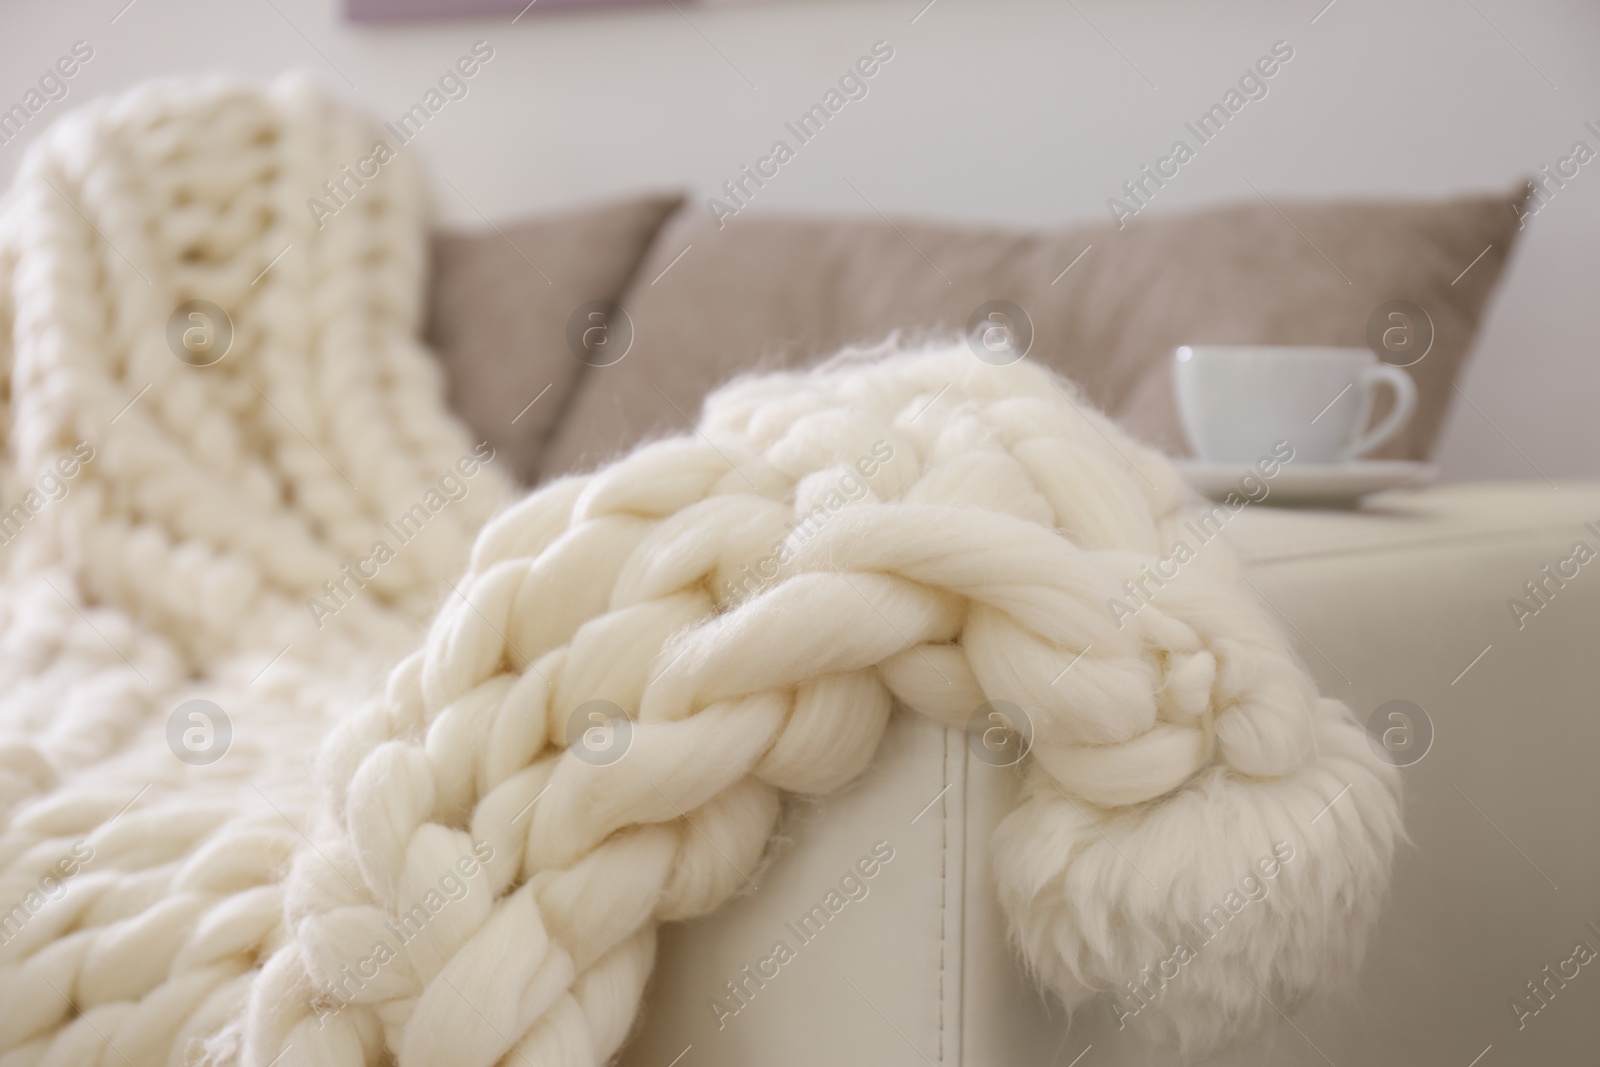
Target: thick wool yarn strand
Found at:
981, 564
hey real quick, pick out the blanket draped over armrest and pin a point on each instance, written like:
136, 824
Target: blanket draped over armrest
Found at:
255, 808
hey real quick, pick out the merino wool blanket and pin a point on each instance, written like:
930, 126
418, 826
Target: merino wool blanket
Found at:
256, 808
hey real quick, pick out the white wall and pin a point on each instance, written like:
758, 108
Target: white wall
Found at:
1008, 111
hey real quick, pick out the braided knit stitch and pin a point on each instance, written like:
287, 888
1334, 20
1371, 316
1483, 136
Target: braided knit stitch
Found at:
978, 564
179, 562
1178, 749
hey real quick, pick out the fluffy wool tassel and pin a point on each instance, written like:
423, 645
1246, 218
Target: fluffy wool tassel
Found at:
1184, 745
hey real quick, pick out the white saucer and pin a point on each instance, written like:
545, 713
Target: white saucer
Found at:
1307, 484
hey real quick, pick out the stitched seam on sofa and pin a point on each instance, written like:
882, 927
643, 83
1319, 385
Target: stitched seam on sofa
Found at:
944, 893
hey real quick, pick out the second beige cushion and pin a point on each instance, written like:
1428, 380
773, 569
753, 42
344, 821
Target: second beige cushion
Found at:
776, 292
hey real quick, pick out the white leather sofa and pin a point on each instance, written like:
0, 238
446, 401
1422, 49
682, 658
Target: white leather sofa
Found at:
1406, 599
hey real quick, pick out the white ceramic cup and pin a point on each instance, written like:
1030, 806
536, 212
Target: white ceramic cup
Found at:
1237, 401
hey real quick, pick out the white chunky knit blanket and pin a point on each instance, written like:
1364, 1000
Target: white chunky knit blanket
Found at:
371, 841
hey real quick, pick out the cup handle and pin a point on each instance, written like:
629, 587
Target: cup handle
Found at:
1405, 402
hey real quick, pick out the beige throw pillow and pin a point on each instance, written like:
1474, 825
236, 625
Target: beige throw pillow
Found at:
1107, 306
